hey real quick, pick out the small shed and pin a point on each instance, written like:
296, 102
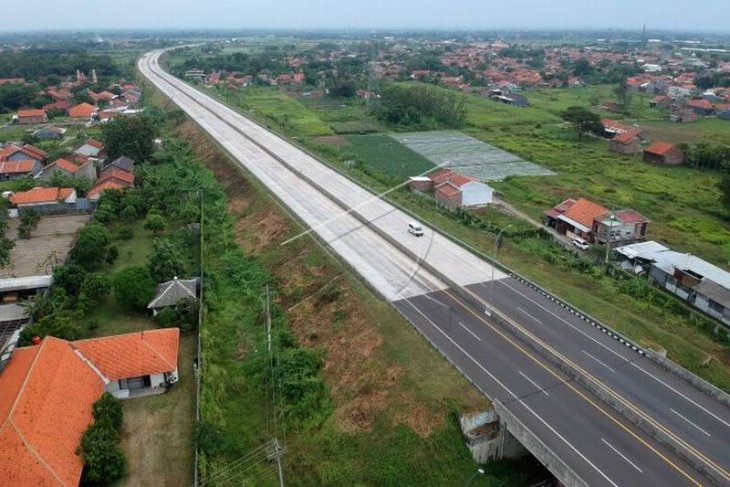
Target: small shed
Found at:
172, 292
663, 153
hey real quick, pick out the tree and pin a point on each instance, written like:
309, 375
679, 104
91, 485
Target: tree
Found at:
70, 278
583, 120
94, 288
131, 137
166, 261
6, 245
582, 67
108, 408
134, 288
624, 95
63, 325
102, 454
155, 223
82, 97
91, 246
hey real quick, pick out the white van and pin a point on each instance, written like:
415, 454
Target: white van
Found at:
415, 229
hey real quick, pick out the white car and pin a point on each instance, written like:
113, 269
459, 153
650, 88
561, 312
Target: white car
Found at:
415, 229
581, 244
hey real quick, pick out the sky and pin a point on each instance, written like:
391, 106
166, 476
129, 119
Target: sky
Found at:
699, 15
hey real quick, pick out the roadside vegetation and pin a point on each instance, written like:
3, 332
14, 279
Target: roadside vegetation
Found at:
352, 407
687, 219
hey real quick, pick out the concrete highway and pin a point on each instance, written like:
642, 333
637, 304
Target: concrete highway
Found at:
591, 438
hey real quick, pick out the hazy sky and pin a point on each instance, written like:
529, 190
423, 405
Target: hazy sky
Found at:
363, 14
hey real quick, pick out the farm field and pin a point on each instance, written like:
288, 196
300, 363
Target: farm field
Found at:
468, 155
387, 155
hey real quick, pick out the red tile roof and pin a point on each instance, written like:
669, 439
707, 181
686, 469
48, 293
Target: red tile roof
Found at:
441, 175
701, 104
31, 113
460, 180
631, 216
29, 150
82, 110
95, 143
40, 195
133, 354
448, 189
627, 137
113, 173
17, 167
102, 186
584, 212
660, 148
45, 407
67, 166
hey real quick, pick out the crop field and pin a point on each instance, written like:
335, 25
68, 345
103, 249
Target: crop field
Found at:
387, 155
469, 156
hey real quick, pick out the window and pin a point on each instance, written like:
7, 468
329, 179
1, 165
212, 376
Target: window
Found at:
716, 307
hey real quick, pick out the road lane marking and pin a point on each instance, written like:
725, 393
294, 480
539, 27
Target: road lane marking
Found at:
470, 332
611, 350
533, 383
622, 455
208, 110
577, 392
594, 358
690, 422
528, 314
489, 374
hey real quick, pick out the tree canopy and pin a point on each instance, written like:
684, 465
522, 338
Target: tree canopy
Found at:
583, 120
133, 137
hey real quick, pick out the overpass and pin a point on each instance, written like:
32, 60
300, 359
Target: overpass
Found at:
586, 402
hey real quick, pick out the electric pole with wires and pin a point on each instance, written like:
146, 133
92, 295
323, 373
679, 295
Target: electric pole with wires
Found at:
275, 441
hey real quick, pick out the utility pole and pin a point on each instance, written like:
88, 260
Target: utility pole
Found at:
275, 441
497, 246
611, 219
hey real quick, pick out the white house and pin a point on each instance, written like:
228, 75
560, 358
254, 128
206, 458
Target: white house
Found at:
476, 193
90, 148
133, 364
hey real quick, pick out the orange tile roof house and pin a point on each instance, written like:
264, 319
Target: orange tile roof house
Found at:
574, 218
454, 190
48, 391
31, 116
43, 196
82, 110
91, 148
19, 169
95, 193
663, 153
69, 169
20, 153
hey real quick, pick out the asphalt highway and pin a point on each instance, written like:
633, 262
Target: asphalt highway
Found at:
594, 441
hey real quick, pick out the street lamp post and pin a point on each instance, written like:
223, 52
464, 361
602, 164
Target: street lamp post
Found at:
468, 482
497, 246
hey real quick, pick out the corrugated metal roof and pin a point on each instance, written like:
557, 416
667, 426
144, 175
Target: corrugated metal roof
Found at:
714, 291
22, 283
642, 250
669, 260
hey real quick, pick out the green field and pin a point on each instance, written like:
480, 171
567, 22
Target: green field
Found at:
387, 155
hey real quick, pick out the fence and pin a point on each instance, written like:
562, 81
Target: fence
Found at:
82, 205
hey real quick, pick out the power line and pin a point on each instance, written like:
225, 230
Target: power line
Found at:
234, 464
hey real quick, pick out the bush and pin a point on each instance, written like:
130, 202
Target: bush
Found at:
102, 454
154, 223
109, 408
94, 289
166, 317
91, 246
126, 233
112, 254
166, 261
69, 278
134, 288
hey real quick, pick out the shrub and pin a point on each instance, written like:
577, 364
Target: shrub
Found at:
69, 278
94, 289
154, 223
126, 233
108, 407
166, 317
102, 454
112, 254
91, 246
134, 288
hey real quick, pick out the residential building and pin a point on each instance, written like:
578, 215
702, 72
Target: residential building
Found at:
124, 163
82, 110
620, 226
171, 293
27, 168
454, 190
90, 148
68, 169
22, 153
575, 218
625, 143
48, 391
663, 153
119, 176
43, 196
32, 116
701, 107
49, 133
696, 281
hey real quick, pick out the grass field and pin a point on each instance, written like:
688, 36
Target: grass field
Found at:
668, 196
387, 155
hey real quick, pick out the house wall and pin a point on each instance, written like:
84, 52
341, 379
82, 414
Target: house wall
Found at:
113, 388
450, 201
32, 120
476, 194
632, 148
625, 232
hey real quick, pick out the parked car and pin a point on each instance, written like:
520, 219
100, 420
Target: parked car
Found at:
415, 229
580, 243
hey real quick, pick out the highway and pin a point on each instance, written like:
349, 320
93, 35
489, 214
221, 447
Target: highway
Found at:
593, 440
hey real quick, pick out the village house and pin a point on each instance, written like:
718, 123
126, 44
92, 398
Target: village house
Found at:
19, 169
22, 153
701, 107
122, 162
625, 143
43, 196
113, 178
68, 169
31, 116
49, 133
48, 391
620, 226
663, 153
171, 293
454, 190
684, 115
575, 218
696, 281
90, 148
82, 110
